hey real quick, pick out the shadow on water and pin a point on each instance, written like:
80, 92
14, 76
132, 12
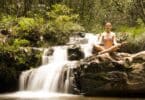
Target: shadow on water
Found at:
55, 96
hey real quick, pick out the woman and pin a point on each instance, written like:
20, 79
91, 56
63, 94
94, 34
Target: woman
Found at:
107, 41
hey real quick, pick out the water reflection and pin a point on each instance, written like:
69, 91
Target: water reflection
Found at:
54, 96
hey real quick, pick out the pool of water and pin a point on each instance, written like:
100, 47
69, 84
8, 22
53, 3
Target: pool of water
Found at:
54, 96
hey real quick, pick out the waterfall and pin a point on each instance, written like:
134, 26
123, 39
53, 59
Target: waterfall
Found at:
45, 57
54, 73
92, 40
46, 77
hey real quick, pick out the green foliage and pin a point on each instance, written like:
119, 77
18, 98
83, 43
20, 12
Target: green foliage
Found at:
29, 24
94, 13
23, 28
58, 10
135, 38
97, 29
87, 11
134, 46
61, 24
55, 25
26, 23
21, 42
132, 31
140, 22
91, 12
13, 61
7, 21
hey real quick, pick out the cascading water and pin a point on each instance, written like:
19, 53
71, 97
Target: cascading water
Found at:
45, 57
54, 74
92, 40
46, 77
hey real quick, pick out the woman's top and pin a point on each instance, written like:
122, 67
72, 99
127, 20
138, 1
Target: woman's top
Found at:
108, 39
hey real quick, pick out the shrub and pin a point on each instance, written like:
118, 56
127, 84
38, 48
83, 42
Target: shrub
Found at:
21, 42
7, 21
13, 61
135, 38
61, 23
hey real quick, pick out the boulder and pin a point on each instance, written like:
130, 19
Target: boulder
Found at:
75, 53
114, 74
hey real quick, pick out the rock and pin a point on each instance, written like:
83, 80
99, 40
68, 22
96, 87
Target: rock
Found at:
79, 34
50, 52
75, 53
112, 74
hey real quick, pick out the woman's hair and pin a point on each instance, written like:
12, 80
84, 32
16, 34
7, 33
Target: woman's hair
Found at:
108, 23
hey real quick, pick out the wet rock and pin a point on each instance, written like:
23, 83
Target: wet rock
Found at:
75, 53
118, 73
50, 52
79, 34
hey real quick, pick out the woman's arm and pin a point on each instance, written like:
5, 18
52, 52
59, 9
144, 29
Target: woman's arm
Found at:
114, 39
100, 39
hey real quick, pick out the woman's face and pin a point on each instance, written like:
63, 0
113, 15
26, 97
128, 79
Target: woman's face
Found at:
108, 27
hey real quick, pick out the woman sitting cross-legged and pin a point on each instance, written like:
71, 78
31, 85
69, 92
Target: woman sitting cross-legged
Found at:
107, 41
